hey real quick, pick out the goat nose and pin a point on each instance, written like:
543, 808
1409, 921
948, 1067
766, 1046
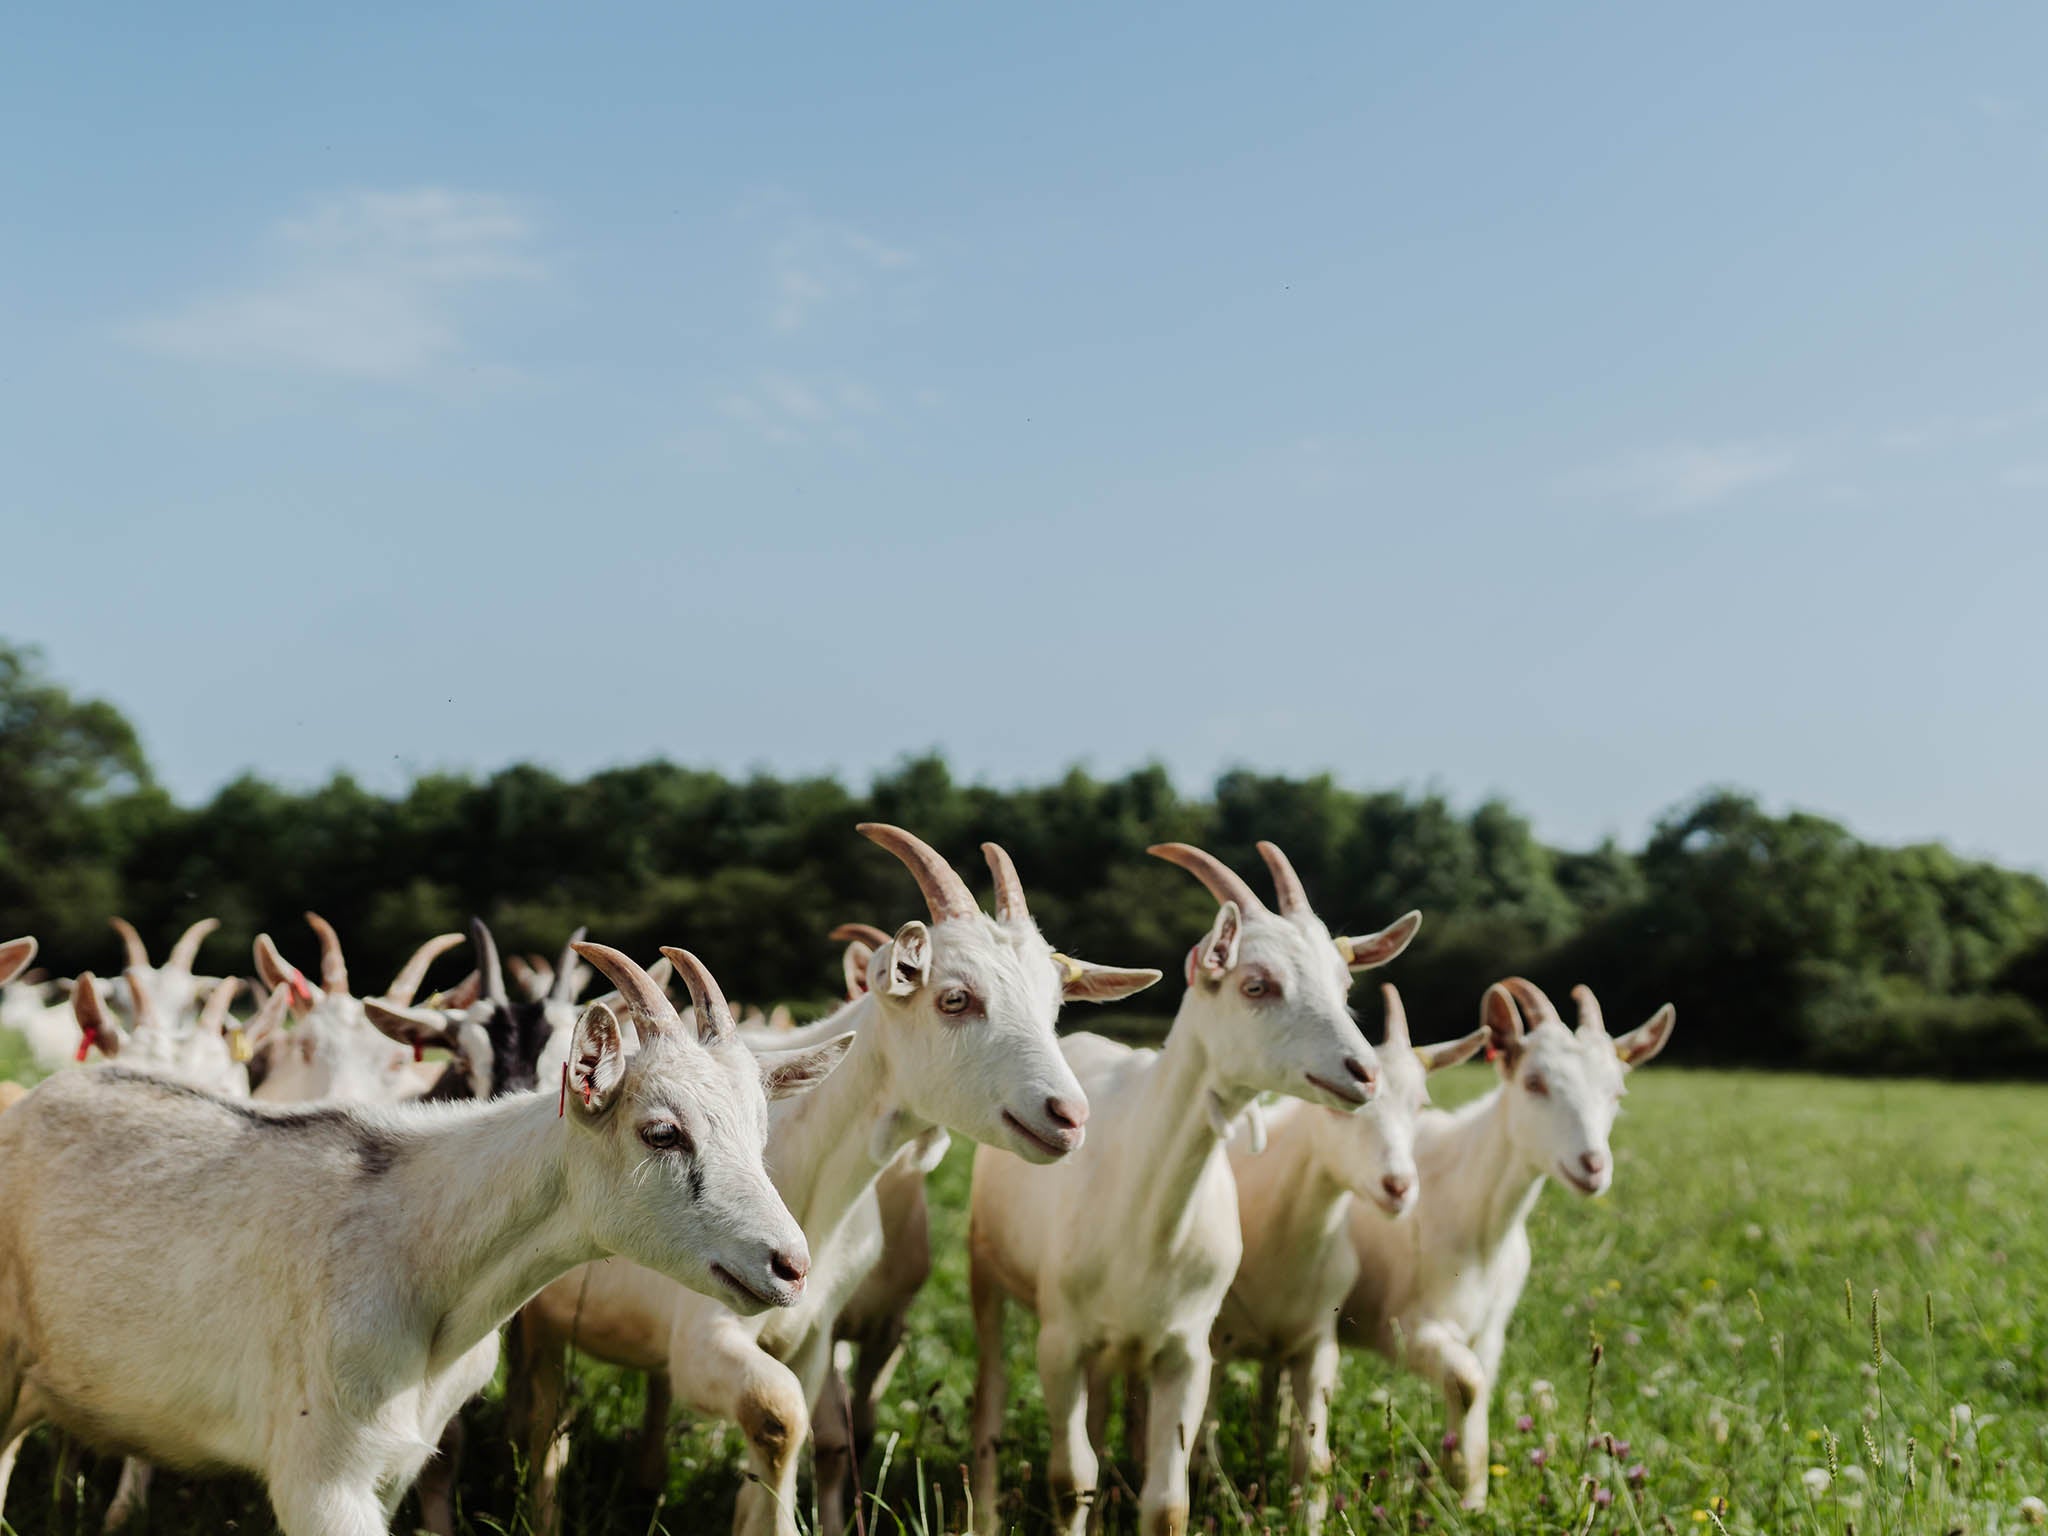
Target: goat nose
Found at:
1396, 1186
1595, 1163
1067, 1114
789, 1267
1364, 1071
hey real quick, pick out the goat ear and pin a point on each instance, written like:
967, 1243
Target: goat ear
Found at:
855, 965
15, 955
785, 1074
95, 1024
1217, 951
416, 1027
1375, 949
1645, 1041
1085, 982
597, 1061
1436, 1057
266, 1029
1501, 1022
910, 959
276, 971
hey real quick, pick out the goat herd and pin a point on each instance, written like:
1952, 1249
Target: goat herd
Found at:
286, 1244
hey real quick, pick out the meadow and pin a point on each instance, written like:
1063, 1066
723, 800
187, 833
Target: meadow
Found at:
1808, 1305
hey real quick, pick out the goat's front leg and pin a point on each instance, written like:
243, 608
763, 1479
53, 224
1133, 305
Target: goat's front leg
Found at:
1437, 1353
1314, 1378
1173, 1415
650, 1457
754, 1390
131, 1494
991, 1389
1071, 1466
311, 1503
538, 1395
436, 1485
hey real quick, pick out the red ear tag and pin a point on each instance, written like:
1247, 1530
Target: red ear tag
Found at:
86, 1042
586, 1095
301, 993
1492, 1050
562, 1103
419, 1052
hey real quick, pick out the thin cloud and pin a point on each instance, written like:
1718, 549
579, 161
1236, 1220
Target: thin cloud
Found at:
818, 264
366, 285
1688, 477
786, 410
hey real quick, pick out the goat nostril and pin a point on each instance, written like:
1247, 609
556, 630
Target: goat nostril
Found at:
1595, 1163
789, 1268
1364, 1071
1396, 1188
1067, 1114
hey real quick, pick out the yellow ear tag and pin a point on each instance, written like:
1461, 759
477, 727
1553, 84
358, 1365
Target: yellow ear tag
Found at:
1343, 943
238, 1045
1075, 969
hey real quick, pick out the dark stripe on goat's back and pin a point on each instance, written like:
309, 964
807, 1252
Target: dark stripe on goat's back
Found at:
375, 1148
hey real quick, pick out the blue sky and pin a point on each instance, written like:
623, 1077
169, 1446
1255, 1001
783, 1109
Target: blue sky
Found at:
1579, 404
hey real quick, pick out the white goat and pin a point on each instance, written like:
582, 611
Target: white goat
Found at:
956, 1030
1125, 1251
366, 1255
1294, 1199
333, 1051
200, 1054
173, 990
1436, 1293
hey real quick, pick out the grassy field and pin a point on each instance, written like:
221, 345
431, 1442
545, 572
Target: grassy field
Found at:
1728, 1280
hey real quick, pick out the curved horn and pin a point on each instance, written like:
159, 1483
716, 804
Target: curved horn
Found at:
1222, 881
405, 985
487, 962
944, 891
213, 1018
146, 1016
714, 1014
1591, 1020
131, 941
1286, 883
186, 950
867, 933
333, 969
1538, 1008
653, 1013
1397, 1014
1010, 902
569, 975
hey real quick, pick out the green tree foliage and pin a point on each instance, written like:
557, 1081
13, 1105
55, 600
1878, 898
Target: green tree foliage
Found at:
1783, 939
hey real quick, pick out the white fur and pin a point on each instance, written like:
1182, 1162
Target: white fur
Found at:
1436, 1292
994, 1073
309, 1295
1125, 1250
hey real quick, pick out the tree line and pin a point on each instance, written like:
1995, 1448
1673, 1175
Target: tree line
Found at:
1784, 939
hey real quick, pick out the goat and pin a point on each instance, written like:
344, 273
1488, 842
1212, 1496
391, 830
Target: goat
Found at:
1293, 1201
1436, 1295
200, 1055
954, 1030
173, 989
334, 1052
1126, 1251
369, 1254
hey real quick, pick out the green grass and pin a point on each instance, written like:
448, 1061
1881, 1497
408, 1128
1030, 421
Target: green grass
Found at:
1728, 1279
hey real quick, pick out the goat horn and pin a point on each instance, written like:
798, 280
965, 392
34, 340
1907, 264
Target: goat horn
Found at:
1591, 1020
1222, 881
1397, 1014
1538, 1007
186, 950
653, 1013
1010, 902
1286, 883
487, 961
138, 953
867, 933
405, 985
213, 1017
714, 1014
568, 974
944, 891
333, 969
146, 1016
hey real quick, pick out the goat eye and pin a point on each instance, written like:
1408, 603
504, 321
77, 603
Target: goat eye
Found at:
1255, 986
1537, 1086
665, 1136
954, 1001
